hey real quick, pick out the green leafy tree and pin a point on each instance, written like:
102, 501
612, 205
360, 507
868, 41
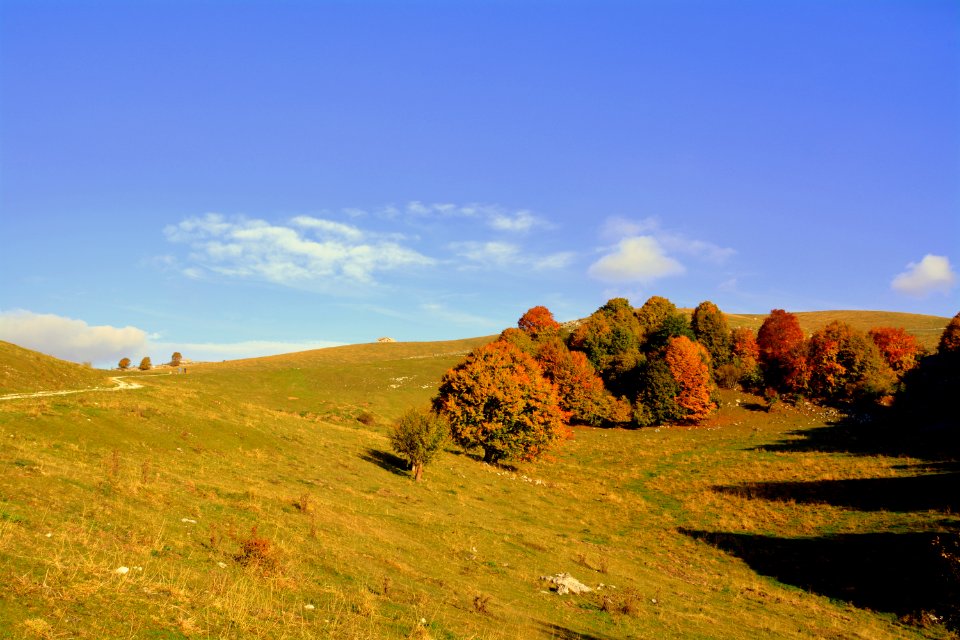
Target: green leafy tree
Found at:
418, 435
660, 320
145, 364
497, 399
710, 327
656, 401
654, 312
611, 339
124, 364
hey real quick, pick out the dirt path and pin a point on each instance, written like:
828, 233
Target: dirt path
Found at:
122, 385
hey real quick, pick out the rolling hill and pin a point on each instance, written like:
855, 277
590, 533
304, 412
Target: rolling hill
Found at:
22, 370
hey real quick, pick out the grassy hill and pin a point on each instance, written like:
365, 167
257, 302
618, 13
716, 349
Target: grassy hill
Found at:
22, 370
259, 499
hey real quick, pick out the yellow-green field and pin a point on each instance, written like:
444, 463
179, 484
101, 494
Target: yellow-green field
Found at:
259, 499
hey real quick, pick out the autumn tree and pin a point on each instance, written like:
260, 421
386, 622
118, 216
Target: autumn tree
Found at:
497, 399
710, 327
418, 435
176, 358
689, 364
124, 364
660, 320
845, 365
782, 357
611, 339
745, 357
145, 364
538, 320
581, 390
950, 338
899, 349
653, 313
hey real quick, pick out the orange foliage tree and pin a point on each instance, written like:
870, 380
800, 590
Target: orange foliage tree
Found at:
538, 320
689, 364
781, 345
582, 393
846, 365
497, 399
899, 349
950, 338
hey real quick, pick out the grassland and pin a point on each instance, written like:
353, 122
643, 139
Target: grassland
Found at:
754, 525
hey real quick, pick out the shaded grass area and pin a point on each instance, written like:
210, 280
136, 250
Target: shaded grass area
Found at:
25, 371
901, 573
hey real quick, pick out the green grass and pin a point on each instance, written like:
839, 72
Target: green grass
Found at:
169, 481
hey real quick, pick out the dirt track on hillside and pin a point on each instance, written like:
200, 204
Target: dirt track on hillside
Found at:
122, 385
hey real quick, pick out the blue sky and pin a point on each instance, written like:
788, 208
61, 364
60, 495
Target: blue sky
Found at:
238, 178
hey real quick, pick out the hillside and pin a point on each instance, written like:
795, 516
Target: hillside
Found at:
755, 525
22, 370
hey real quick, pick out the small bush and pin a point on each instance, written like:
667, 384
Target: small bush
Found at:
418, 435
256, 551
367, 418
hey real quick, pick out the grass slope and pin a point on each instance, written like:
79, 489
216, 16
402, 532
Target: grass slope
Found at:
744, 528
22, 370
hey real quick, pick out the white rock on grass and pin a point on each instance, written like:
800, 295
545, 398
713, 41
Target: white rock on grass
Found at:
564, 583
122, 571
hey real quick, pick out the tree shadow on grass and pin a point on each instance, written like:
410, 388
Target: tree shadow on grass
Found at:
388, 461
878, 435
933, 491
901, 573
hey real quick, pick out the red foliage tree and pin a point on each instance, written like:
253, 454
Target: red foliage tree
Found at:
582, 393
782, 358
498, 399
899, 349
538, 320
950, 338
689, 364
846, 365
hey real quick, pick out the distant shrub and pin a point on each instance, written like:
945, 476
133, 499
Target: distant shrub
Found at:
145, 364
727, 376
124, 364
418, 435
367, 418
845, 365
176, 358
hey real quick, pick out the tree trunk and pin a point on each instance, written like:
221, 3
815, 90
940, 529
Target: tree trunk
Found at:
418, 472
489, 455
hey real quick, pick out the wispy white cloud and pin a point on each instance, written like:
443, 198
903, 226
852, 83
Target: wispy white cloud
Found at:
494, 216
933, 274
309, 250
506, 254
69, 338
635, 259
